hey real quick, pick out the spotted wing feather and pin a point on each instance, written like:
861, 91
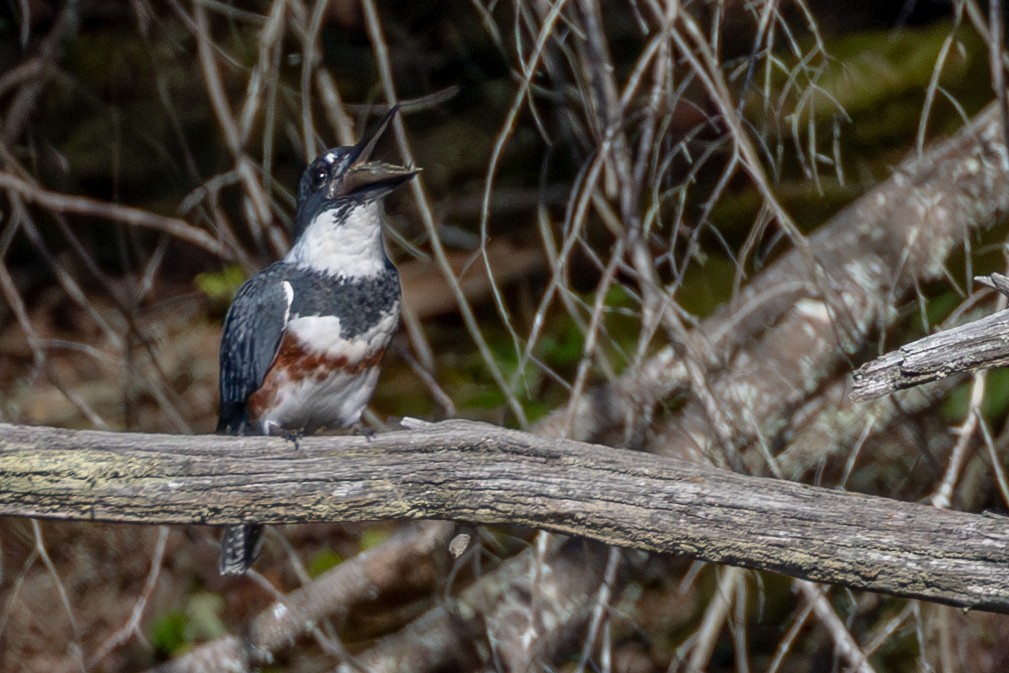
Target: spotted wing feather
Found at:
252, 332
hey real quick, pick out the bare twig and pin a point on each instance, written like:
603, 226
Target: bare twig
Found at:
132, 626
844, 643
976, 345
127, 215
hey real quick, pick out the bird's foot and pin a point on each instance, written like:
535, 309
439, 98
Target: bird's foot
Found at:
292, 436
365, 431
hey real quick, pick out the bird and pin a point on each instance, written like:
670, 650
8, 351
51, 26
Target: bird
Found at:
304, 338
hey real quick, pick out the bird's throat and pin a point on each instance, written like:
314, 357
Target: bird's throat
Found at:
344, 241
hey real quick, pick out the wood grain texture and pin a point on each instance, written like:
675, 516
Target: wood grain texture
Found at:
480, 473
979, 344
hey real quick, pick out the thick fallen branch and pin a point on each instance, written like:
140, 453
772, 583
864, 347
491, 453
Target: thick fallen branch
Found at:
872, 254
484, 474
762, 364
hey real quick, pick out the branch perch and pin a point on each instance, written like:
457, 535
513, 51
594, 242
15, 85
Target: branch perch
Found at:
484, 474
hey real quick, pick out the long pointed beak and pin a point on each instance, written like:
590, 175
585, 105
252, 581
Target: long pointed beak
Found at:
371, 176
363, 149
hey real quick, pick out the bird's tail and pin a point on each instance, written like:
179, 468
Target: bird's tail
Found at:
239, 547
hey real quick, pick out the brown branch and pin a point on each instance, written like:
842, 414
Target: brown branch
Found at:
483, 474
128, 215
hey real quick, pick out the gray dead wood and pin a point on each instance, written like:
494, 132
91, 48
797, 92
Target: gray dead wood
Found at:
484, 474
960, 184
763, 363
979, 344
873, 253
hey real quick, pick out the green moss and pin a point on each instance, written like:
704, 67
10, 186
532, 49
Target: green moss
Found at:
373, 537
168, 633
323, 561
221, 285
867, 70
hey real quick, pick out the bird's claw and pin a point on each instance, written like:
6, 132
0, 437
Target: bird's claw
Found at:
293, 436
365, 431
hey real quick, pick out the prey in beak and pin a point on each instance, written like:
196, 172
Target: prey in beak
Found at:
370, 179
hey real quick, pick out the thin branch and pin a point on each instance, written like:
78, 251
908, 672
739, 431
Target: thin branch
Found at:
132, 626
844, 642
127, 215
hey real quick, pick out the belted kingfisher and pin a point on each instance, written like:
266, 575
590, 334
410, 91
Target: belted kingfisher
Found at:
304, 338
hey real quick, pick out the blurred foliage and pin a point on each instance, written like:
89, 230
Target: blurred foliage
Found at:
373, 537
994, 406
221, 286
322, 561
168, 633
203, 617
174, 632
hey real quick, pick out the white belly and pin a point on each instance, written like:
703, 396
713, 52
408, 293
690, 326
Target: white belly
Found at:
336, 393
311, 404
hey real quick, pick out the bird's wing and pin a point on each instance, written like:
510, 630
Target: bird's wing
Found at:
252, 331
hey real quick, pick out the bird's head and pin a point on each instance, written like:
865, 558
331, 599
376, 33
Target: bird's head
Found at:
338, 201
343, 178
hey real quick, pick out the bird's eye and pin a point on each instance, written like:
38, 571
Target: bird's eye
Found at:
319, 176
